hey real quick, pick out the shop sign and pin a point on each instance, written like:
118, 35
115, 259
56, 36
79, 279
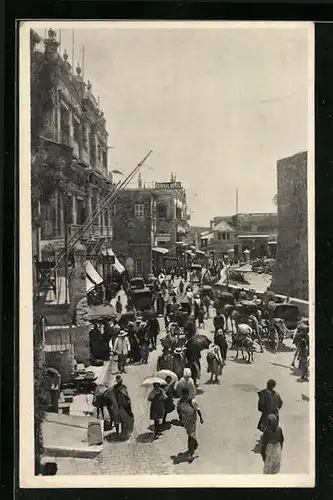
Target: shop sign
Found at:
163, 237
168, 185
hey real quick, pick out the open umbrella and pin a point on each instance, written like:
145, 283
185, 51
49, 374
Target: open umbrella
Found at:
163, 374
153, 380
200, 341
207, 288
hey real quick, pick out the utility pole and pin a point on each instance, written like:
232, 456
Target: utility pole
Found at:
66, 234
236, 201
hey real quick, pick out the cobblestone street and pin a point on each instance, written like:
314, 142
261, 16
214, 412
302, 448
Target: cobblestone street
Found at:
228, 438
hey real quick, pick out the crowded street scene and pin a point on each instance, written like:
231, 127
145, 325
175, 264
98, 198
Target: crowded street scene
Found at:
222, 350
172, 302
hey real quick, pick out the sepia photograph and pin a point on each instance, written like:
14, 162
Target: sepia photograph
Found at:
166, 254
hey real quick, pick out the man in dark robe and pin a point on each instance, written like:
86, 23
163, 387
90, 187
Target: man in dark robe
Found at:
219, 322
122, 408
160, 304
193, 355
154, 329
189, 328
269, 403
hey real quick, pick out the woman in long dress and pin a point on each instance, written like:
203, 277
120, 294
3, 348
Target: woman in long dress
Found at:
214, 362
188, 410
271, 446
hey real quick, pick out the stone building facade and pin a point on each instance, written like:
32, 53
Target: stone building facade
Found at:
70, 179
72, 145
134, 226
292, 245
232, 235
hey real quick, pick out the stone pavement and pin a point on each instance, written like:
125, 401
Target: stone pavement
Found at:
227, 439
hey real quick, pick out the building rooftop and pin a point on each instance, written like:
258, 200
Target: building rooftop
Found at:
223, 226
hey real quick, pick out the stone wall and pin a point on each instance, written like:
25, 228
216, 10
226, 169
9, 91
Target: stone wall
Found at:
132, 236
291, 276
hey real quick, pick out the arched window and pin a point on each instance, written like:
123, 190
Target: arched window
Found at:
138, 266
161, 211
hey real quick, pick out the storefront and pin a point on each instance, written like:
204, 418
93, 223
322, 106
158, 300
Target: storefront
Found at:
159, 254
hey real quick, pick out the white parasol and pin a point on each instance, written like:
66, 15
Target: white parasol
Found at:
163, 374
153, 380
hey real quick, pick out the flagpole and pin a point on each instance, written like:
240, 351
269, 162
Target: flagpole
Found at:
236, 201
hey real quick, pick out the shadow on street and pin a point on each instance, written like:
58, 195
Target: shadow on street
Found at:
182, 457
145, 437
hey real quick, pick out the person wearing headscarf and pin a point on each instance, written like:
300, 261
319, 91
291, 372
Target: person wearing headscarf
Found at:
214, 362
121, 408
271, 446
269, 403
188, 410
186, 382
157, 411
221, 341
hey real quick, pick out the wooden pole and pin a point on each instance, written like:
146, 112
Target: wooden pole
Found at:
236, 201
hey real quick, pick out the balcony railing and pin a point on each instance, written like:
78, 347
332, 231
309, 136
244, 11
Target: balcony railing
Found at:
96, 232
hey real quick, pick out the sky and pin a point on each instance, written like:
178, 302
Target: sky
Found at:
217, 106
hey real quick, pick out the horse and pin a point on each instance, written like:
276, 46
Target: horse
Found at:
100, 402
247, 345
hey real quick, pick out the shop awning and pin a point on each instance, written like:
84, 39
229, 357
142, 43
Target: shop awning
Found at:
160, 250
118, 266
108, 252
92, 274
89, 285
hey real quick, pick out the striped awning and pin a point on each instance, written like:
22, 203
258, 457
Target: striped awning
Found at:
92, 277
118, 266
108, 252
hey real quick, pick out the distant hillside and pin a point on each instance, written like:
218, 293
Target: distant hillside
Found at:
198, 229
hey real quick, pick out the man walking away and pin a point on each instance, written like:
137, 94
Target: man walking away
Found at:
154, 330
269, 403
188, 409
